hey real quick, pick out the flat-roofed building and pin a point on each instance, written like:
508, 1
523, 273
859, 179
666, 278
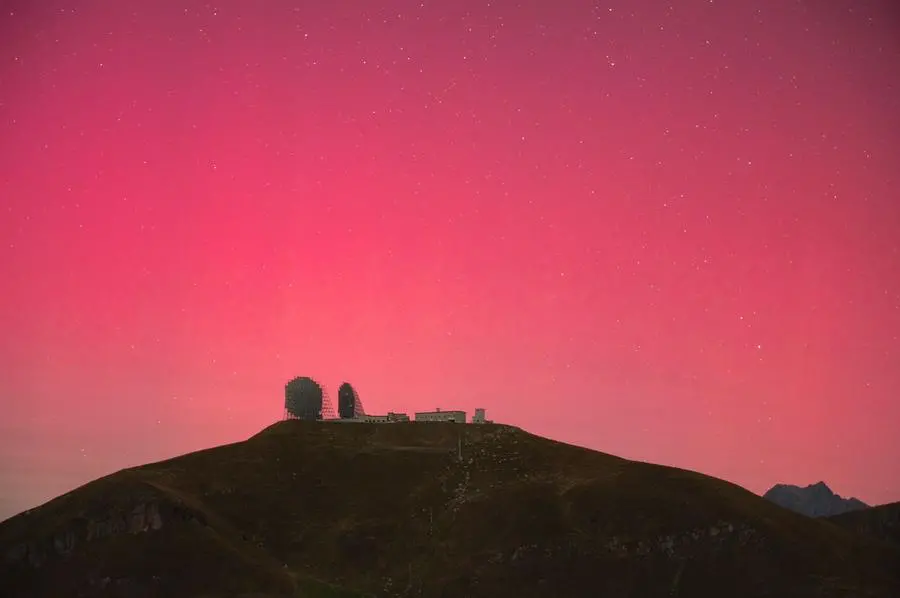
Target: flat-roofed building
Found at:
441, 416
375, 419
365, 418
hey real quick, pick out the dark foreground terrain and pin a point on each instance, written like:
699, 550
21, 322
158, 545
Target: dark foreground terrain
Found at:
882, 522
306, 509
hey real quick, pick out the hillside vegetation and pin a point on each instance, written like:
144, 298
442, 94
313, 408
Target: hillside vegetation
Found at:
317, 509
882, 522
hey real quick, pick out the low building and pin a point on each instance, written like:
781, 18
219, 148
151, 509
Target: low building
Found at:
373, 419
397, 417
479, 417
365, 418
441, 416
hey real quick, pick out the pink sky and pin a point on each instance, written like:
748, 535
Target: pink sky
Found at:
666, 233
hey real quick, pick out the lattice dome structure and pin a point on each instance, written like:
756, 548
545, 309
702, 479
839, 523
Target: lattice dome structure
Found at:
304, 399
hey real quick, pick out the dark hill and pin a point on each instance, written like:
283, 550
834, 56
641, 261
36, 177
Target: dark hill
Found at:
306, 509
882, 522
815, 500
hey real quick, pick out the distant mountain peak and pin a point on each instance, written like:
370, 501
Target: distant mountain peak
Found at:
814, 500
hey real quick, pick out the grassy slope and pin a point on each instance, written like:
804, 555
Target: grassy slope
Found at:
882, 522
390, 510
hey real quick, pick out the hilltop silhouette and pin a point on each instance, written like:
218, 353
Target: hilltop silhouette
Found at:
432, 510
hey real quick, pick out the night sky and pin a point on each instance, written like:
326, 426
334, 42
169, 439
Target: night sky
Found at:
664, 230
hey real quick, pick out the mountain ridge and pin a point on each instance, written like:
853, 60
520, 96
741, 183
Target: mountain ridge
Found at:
814, 500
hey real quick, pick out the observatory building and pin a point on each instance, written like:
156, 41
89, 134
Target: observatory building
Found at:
303, 399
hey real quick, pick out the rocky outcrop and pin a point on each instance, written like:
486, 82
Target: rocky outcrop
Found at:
142, 517
685, 544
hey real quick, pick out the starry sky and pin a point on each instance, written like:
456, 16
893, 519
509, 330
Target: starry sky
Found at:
665, 230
